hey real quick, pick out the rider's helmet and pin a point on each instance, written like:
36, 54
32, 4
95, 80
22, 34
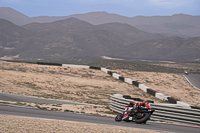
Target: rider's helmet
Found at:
131, 104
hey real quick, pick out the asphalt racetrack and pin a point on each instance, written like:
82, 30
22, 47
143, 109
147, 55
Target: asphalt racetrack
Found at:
194, 79
68, 116
18, 98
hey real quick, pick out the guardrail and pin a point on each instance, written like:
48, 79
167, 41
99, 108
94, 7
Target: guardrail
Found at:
173, 113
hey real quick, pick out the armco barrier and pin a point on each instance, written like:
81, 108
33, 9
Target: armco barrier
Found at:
173, 113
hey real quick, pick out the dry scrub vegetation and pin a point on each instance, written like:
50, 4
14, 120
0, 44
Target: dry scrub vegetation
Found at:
86, 109
88, 85
64, 83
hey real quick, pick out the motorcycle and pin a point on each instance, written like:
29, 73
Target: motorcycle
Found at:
137, 114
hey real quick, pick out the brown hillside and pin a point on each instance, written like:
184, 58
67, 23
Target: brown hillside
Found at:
72, 84
87, 85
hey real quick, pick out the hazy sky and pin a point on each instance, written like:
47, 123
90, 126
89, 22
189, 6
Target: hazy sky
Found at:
128, 8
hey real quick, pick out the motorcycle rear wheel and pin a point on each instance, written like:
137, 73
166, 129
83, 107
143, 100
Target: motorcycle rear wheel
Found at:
143, 119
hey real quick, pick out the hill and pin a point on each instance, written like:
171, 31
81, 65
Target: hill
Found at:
129, 33
181, 25
11, 36
172, 49
74, 39
14, 16
70, 38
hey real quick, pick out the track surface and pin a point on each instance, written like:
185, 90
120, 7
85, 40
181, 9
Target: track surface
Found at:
30, 112
18, 98
194, 79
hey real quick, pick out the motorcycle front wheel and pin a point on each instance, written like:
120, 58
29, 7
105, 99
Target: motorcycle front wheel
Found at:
118, 118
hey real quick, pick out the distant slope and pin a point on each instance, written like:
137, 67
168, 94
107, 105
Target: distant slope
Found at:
98, 18
129, 33
181, 25
79, 38
95, 18
67, 38
173, 48
176, 25
11, 36
67, 25
10, 32
14, 16
73, 38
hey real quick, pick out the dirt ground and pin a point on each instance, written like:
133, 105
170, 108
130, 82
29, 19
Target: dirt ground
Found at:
64, 83
11, 124
88, 85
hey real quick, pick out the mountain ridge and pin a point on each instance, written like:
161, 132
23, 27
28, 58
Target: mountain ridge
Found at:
188, 26
72, 38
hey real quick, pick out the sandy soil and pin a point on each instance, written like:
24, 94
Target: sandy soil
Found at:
11, 124
89, 86
64, 83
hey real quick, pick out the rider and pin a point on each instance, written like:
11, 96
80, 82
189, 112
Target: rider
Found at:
135, 107
145, 104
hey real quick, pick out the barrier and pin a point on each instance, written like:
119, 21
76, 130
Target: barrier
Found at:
49, 63
77, 66
117, 76
174, 113
97, 68
127, 80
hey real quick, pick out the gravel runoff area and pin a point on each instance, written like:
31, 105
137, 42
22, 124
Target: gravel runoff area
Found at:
14, 124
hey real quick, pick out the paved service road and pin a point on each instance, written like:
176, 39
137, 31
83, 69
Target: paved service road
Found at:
18, 98
194, 79
30, 112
